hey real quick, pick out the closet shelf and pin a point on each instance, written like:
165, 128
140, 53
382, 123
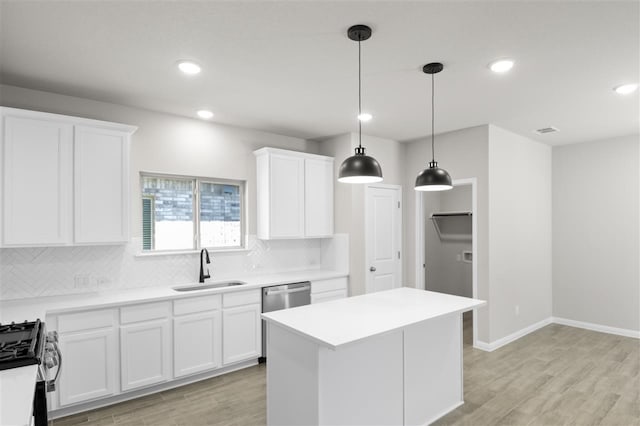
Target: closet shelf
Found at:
452, 226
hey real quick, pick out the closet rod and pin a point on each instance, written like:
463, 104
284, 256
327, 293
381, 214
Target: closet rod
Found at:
437, 215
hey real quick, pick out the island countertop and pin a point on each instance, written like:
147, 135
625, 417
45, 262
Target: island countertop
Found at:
344, 321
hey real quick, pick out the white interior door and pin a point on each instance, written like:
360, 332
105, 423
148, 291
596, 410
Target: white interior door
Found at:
383, 231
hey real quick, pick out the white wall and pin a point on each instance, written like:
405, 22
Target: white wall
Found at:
464, 154
596, 241
339, 147
163, 143
349, 199
520, 232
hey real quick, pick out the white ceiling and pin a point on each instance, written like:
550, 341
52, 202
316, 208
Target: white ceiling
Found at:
288, 67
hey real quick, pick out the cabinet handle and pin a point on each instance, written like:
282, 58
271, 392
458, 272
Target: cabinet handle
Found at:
372, 269
276, 292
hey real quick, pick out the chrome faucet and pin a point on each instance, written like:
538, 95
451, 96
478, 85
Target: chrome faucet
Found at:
202, 275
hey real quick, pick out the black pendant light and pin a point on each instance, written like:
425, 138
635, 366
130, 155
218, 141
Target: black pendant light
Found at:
433, 178
360, 168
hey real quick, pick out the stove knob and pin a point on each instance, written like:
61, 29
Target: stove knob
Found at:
52, 336
49, 362
49, 347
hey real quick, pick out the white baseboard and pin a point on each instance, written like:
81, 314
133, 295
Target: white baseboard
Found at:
597, 327
490, 347
483, 346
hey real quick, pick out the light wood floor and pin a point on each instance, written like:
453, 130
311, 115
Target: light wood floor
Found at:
557, 375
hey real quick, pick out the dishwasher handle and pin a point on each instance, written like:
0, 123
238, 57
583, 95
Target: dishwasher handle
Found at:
269, 292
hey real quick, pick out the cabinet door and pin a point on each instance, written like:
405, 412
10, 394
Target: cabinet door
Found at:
203, 330
36, 175
101, 185
286, 195
145, 354
242, 333
318, 198
90, 365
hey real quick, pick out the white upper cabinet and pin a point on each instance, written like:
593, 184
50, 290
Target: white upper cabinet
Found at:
101, 185
65, 180
36, 177
281, 213
294, 193
318, 197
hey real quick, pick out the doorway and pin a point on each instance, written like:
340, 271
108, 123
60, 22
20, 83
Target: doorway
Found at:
446, 245
383, 237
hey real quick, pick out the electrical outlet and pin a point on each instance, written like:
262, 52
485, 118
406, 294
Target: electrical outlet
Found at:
517, 310
103, 282
81, 280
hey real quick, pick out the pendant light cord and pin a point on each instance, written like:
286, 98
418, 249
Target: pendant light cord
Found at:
433, 155
359, 95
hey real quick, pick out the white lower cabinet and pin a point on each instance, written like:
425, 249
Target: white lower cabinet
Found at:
241, 326
90, 366
197, 334
108, 352
197, 340
89, 344
145, 345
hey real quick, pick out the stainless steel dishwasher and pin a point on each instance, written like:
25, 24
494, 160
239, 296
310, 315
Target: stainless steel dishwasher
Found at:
283, 296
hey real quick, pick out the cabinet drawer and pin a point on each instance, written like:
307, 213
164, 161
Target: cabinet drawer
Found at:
328, 285
197, 304
86, 320
328, 296
145, 312
240, 298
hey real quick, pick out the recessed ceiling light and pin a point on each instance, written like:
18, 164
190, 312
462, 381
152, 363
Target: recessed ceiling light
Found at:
365, 116
189, 67
203, 113
626, 89
502, 65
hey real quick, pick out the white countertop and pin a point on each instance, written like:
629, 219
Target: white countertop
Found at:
38, 307
17, 386
344, 321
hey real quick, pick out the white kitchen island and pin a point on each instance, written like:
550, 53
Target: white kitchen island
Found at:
386, 358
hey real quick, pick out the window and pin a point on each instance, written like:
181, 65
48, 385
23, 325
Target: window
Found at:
186, 213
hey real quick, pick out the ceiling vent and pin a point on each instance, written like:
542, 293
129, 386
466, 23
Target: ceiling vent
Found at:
546, 130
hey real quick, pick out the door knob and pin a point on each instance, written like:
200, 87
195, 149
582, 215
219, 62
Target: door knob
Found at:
372, 269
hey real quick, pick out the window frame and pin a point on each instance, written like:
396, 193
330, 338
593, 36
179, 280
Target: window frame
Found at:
241, 184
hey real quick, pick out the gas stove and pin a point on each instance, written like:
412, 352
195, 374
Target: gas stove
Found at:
28, 343
21, 344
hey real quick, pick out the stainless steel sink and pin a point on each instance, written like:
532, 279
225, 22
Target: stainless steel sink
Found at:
208, 286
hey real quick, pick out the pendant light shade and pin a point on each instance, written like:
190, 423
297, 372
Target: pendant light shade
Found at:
360, 168
433, 178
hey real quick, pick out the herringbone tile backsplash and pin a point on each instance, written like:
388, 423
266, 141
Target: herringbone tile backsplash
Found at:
49, 271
